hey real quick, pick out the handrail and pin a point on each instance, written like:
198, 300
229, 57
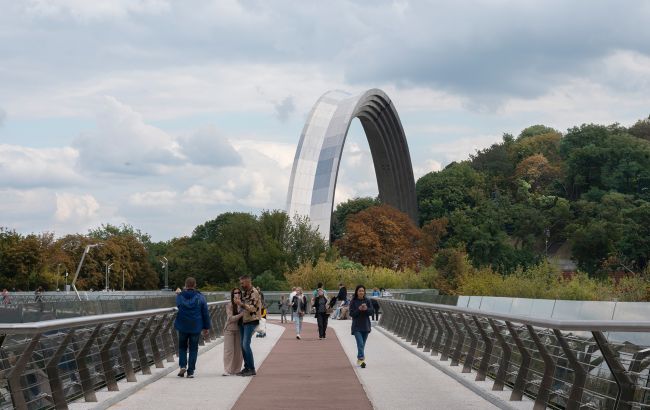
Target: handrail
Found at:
567, 364
560, 324
50, 363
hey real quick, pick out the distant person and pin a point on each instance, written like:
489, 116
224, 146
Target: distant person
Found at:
38, 294
375, 304
291, 295
232, 354
360, 310
283, 305
343, 292
6, 299
321, 305
251, 303
192, 318
299, 305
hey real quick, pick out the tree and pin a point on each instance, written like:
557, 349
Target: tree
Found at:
458, 186
383, 236
345, 210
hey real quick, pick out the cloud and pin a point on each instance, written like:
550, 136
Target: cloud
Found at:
208, 147
23, 167
153, 198
124, 144
70, 207
428, 166
89, 10
3, 116
284, 109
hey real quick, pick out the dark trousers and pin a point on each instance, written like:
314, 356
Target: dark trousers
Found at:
321, 318
185, 341
375, 308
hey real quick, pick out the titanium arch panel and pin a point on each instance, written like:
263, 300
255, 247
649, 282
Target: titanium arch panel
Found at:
316, 164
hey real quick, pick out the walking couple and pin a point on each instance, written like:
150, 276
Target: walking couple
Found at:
243, 314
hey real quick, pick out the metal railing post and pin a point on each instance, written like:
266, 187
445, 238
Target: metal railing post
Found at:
579, 373
87, 384
469, 359
549, 370
500, 379
626, 386
107, 366
53, 376
127, 362
142, 355
524, 366
13, 378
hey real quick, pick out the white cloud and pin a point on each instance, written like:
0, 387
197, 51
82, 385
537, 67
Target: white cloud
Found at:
83, 10
153, 199
459, 149
198, 194
75, 207
208, 147
23, 167
124, 144
3, 116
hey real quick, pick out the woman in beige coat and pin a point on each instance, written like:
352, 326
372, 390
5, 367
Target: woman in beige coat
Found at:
232, 354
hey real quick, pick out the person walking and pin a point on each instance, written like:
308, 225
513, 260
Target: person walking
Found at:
283, 305
232, 354
299, 305
251, 304
321, 304
360, 311
6, 299
291, 295
375, 304
192, 318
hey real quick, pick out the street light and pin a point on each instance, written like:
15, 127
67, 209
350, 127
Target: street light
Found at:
123, 280
57, 275
165, 265
108, 271
76, 274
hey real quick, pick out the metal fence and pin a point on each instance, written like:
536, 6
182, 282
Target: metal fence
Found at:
572, 364
48, 364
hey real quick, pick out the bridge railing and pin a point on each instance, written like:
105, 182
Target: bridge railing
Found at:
572, 364
51, 363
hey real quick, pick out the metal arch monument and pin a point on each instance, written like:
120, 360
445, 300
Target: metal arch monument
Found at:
318, 156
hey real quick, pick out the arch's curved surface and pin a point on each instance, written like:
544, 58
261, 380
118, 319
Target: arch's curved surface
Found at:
316, 164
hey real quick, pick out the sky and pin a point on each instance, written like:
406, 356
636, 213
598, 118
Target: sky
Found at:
163, 114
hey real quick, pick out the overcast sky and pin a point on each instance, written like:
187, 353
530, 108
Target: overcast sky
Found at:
163, 114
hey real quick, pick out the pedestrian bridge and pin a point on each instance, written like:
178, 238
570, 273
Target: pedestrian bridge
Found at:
419, 356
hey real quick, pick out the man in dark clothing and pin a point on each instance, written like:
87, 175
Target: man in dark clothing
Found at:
191, 319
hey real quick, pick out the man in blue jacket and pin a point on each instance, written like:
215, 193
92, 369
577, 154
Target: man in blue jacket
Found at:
191, 319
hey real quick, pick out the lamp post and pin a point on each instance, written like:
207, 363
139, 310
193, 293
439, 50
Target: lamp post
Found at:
165, 265
57, 275
66, 281
108, 271
76, 274
123, 280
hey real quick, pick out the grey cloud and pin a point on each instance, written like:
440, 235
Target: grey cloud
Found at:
208, 147
284, 109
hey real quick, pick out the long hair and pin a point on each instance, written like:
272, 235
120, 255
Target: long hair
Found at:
232, 301
356, 291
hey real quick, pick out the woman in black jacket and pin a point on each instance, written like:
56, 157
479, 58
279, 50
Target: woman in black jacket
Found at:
321, 305
361, 310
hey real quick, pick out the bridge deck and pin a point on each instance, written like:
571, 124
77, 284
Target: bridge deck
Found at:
313, 374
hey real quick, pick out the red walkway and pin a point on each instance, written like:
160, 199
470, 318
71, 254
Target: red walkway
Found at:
305, 374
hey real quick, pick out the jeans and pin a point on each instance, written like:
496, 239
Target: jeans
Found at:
361, 338
247, 330
183, 340
322, 323
298, 319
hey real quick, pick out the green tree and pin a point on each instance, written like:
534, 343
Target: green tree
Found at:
346, 209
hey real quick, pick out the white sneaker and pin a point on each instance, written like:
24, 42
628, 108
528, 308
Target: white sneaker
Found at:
298, 337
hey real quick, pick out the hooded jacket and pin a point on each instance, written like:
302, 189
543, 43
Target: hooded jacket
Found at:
193, 313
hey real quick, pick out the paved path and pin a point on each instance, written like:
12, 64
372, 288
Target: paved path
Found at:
305, 374
209, 389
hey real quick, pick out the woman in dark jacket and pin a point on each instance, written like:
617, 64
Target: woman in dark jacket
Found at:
361, 310
321, 304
